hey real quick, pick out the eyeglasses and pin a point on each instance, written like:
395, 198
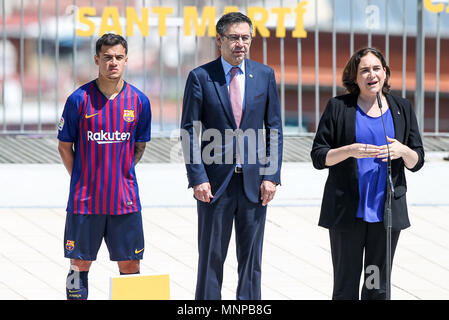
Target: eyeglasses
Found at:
235, 38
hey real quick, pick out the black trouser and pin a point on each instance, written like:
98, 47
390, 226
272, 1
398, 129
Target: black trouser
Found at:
215, 222
348, 247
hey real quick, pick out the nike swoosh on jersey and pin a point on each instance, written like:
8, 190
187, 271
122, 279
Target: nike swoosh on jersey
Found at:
138, 251
87, 116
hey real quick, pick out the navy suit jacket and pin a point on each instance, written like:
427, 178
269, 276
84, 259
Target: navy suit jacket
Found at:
207, 109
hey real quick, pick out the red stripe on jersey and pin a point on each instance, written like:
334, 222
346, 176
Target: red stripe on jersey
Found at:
123, 155
85, 164
119, 150
138, 103
90, 110
131, 152
78, 188
107, 151
114, 157
100, 160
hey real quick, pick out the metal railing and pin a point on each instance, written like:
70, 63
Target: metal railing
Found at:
44, 60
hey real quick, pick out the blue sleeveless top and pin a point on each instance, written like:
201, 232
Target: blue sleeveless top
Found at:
372, 172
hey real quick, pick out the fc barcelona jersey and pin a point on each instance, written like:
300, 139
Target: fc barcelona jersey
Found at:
104, 133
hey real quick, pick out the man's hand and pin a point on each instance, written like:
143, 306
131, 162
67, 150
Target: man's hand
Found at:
267, 191
203, 192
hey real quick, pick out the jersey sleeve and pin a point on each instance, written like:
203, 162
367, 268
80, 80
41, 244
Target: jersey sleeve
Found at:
68, 125
143, 129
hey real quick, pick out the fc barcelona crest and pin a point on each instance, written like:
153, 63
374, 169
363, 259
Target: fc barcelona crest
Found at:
70, 245
128, 115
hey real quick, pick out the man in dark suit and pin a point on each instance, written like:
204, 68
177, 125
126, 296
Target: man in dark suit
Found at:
230, 101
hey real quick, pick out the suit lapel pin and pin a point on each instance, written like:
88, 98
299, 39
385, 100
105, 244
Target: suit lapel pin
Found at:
250, 75
399, 112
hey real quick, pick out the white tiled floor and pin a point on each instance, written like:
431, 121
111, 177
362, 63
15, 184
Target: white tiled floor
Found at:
296, 261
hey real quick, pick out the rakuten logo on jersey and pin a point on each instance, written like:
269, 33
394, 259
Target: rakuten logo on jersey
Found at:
103, 137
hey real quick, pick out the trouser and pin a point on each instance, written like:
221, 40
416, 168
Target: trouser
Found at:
215, 223
348, 248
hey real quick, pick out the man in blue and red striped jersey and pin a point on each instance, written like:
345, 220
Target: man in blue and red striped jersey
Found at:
102, 135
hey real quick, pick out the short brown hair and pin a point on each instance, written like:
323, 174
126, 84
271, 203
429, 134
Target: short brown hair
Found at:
350, 71
110, 39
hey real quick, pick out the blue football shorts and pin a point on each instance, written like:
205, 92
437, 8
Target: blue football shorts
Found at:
123, 235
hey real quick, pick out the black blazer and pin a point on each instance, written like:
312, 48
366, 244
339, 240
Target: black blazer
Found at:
341, 191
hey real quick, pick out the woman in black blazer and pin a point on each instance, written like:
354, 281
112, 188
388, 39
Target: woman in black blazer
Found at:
350, 142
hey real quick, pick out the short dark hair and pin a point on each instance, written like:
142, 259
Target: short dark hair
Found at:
110, 39
231, 18
350, 71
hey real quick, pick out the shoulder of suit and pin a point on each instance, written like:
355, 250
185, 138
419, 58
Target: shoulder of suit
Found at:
214, 64
400, 101
207, 67
403, 105
257, 65
344, 100
338, 105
